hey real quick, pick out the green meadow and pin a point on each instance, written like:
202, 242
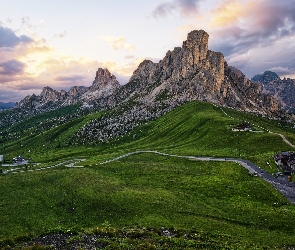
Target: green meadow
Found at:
147, 190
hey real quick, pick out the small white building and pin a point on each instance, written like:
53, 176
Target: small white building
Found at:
1, 158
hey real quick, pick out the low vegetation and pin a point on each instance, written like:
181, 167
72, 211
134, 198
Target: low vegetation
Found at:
198, 204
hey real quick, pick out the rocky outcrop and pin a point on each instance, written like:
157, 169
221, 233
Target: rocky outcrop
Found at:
192, 72
283, 90
51, 99
103, 86
266, 78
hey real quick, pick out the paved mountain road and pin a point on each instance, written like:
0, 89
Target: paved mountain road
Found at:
280, 183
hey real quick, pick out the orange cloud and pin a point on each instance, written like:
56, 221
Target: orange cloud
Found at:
119, 43
26, 68
231, 11
129, 68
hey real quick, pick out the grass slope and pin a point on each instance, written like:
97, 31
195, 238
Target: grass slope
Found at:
150, 190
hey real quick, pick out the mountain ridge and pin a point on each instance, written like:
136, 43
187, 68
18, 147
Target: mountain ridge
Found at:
190, 72
187, 73
282, 89
6, 105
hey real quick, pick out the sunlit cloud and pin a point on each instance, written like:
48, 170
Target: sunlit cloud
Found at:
60, 35
129, 57
9, 39
253, 34
11, 67
186, 8
72, 78
284, 72
230, 12
119, 43
253, 22
129, 68
8, 20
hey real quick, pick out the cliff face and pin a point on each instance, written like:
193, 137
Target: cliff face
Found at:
103, 85
190, 72
283, 90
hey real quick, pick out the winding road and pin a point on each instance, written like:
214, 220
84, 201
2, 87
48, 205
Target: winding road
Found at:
280, 183
284, 139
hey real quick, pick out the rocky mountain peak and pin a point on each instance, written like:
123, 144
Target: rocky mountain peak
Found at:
192, 72
236, 71
103, 78
283, 90
46, 92
266, 78
103, 74
103, 85
77, 90
198, 37
197, 44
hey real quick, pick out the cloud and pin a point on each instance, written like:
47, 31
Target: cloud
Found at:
121, 78
73, 78
119, 43
10, 95
187, 8
163, 9
27, 65
255, 23
12, 67
129, 68
253, 35
25, 20
282, 70
9, 39
60, 35
8, 20
129, 57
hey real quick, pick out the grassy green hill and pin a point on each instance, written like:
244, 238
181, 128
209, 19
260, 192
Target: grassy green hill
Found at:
152, 191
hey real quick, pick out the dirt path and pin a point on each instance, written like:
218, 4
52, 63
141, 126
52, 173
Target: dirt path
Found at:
24, 168
281, 184
285, 139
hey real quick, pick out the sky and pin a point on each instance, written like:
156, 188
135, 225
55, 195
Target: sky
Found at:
62, 43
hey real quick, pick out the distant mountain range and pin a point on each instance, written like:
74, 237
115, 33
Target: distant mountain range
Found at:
6, 105
187, 73
282, 89
190, 72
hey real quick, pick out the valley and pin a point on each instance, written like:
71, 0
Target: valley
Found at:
147, 125
151, 190
180, 157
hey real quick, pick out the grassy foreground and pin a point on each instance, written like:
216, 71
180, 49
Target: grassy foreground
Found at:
148, 191
151, 191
